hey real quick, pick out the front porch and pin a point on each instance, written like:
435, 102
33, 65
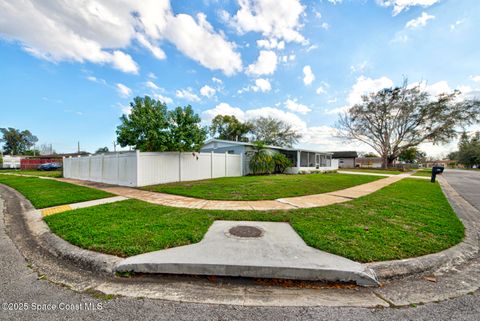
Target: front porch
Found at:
306, 161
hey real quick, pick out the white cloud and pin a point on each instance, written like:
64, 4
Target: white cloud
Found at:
266, 64
335, 1
207, 91
325, 26
150, 84
475, 78
198, 40
98, 31
308, 76
360, 67
271, 44
457, 23
263, 85
320, 90
97, 80
123, 90
399, 37
187, 94
364, 86
224, 109
420, 21
400, 5
216, 80
293, 105
287, 58
271, 18
162, 98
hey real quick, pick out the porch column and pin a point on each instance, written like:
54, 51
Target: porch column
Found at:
298, 158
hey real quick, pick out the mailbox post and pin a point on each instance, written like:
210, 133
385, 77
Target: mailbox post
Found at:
436, 170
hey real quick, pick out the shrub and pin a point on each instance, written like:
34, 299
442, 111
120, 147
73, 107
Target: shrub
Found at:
281, 163
262, 162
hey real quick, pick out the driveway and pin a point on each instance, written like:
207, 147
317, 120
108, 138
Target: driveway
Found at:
466, 183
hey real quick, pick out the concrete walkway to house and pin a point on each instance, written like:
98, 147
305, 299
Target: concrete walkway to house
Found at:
380, 174
288, 203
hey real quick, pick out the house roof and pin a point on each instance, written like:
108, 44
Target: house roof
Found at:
212, 140
345, 154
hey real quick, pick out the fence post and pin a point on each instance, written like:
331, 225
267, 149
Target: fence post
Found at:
118, 170
101, 170
179, 166
226, 163
89, 167
139, 170
211, 164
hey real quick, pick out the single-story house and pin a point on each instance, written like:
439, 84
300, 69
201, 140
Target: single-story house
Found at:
369, 162
304, 160
346, 159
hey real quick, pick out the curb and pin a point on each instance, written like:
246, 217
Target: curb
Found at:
58, 247
468, 249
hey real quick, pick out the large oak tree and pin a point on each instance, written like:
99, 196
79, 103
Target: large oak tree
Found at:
396, 119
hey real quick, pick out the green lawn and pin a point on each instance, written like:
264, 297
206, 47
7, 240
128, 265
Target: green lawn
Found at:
424, 172
262, 187
406, 219
47, 192
56, 174
372, 170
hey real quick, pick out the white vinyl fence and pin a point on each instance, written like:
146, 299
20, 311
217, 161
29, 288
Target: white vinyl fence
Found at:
142, 169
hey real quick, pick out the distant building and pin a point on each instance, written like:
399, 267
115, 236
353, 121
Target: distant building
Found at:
438, 162
346, 159
369, 162
12, 162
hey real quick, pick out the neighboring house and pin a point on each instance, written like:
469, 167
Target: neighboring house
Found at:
369, 162
346, 159
443, 162
304, 160
11, 161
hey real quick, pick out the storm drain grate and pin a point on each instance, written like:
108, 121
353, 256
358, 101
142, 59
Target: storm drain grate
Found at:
245, 231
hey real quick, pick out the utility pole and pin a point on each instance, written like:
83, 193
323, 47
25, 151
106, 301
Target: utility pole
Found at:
114, 146
78, 147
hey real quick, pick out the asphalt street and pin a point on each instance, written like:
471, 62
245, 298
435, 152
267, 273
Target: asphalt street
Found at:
24, 295
466, 183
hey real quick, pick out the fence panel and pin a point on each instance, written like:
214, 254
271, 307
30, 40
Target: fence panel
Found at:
196, 166
158, 168
142, 169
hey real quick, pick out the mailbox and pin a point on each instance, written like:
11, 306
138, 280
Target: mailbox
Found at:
436, 170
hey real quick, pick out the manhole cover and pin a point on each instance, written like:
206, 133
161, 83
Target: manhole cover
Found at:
245, 231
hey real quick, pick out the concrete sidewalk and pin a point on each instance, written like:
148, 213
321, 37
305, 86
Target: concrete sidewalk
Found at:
251, 249
68, 207
288, 203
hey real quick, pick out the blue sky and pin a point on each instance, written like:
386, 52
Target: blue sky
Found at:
69, 70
